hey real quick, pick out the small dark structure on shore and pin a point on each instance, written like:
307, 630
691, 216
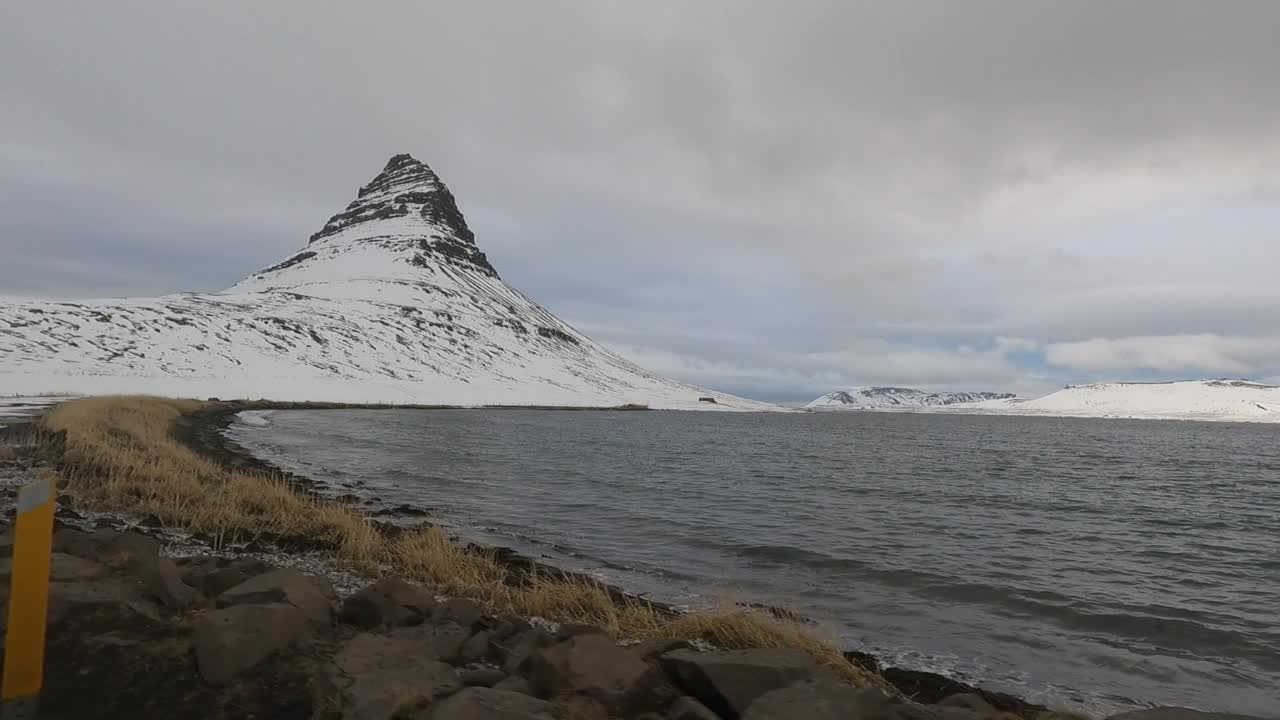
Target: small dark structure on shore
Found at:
707, 400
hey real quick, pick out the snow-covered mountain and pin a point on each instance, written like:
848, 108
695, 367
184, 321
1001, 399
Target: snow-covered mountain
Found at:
1231, 400
891, 398
391, 301
1227, 400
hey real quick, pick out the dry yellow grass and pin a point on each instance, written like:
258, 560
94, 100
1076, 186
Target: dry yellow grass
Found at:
120, 456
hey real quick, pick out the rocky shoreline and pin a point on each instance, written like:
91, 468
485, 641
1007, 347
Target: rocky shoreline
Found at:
139, 629
203, 431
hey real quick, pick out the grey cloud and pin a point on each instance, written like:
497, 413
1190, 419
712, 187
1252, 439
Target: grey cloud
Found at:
1174, 353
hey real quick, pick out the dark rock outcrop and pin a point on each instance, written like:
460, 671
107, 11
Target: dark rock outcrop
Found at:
404, 188
927, 687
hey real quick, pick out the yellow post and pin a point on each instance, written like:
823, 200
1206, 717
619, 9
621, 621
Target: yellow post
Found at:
28, 600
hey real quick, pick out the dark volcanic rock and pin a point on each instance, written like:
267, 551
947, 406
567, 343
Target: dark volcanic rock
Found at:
824, 700
516, 650
727, 681
162, 581
286, 585
459, 611
219, 581
376, 675
687, 708
927, 687
591, 665
650, 649
481, 676
110, 547
387, 603
477, 647
516, 684
866, 661
230, 641
490, 704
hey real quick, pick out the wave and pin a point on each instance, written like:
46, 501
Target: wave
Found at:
255, 418
786, 554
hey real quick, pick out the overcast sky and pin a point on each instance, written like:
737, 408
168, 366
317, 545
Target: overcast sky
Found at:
771, 198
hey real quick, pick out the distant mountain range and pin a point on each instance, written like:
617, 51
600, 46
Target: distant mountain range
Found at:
391, 301
1220, 399
882, 398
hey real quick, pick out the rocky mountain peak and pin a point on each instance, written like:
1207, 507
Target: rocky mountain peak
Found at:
406, 187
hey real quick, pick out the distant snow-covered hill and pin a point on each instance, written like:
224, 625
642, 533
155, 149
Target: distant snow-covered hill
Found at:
391, 301
1231, 400
893, 398
1226, 400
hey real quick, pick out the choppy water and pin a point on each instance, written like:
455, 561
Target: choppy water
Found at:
1094, 563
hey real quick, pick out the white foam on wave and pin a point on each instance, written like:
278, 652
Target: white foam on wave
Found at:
255, 418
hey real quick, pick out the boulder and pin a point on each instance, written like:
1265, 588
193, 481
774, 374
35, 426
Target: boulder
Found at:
509, 626
825, 700
232, 640
69, 568
582, 707
375, 675
515, 651
568, 630
286, 585
477, 647
1177, 713
727, 681
515, 684
489, 704
219, 581
591, 665
109, 547
161, 580
686, 708
459, 611
481, 676
389, 602
649, 649
927, 687
194, 569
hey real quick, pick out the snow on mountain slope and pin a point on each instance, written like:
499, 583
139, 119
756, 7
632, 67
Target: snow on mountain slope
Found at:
392, 301
891, 398
1231, 400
